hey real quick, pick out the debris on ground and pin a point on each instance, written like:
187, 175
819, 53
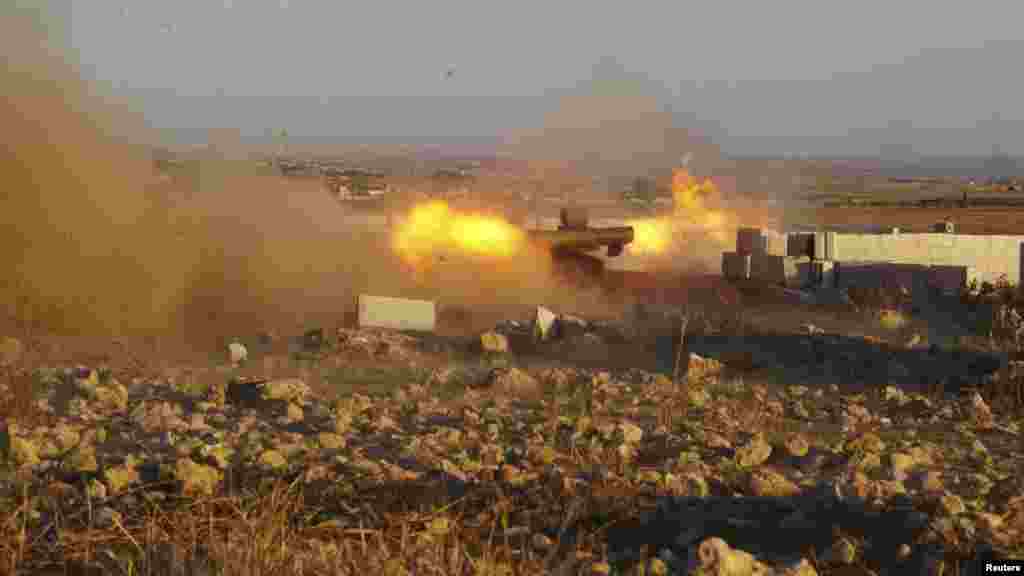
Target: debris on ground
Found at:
678, 478
237, 353
313, 340
544, 323
494, 342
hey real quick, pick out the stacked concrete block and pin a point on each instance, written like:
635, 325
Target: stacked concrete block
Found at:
825, 246
800, 245
735, 266
751, 241
774, 269
775, 242
952, 257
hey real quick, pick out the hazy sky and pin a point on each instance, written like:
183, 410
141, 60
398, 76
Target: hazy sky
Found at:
818, 77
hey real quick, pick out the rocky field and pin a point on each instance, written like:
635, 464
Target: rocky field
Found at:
392, 454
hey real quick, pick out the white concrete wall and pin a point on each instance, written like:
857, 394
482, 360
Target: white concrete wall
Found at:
981, 258
989, 257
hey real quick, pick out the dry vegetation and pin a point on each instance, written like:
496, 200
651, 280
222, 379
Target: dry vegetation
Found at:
408, 455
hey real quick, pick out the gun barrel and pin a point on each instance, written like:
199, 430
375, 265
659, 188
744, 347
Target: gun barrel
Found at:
584, 239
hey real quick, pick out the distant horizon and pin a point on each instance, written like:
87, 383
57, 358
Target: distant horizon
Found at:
496, 151
816, 79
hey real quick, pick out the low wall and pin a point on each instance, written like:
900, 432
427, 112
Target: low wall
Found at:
987, 257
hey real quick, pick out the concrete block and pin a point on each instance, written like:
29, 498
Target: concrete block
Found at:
800, 244
989, 257
823, 241
775, 270
544, 323
735, 266
775, 242
751, 241
397, 313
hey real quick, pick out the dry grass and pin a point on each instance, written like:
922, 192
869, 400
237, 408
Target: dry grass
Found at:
278, 529
263, 525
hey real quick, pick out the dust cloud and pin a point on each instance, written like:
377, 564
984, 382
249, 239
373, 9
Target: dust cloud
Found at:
84, 247
612, 129
98, 243
617, 128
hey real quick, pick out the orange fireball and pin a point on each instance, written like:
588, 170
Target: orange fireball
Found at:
690, 215
650, 236
432, 229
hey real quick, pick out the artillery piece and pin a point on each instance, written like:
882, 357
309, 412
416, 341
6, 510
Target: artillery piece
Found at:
572, 242
574, 235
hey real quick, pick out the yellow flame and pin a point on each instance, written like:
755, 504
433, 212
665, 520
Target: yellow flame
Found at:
432, 229
650, 236
690, 214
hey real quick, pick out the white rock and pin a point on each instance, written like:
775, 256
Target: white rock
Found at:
237, 352
545, 322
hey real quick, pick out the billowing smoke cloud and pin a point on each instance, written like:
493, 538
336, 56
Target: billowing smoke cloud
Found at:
620, 127
97, 242
81, 239
614, 128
